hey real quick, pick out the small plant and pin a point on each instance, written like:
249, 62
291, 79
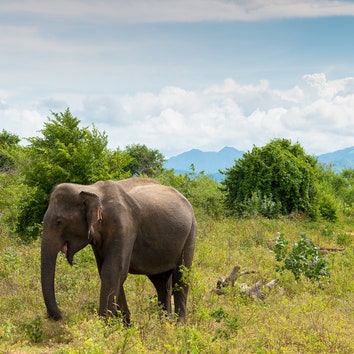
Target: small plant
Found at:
344, 239
34, 330
265, 206
303, 258
231, 323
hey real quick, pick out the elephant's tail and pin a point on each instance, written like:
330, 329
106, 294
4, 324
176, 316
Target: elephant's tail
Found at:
188, 250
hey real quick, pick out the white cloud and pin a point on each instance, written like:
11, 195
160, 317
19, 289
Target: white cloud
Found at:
177, 11
25, 123
316, 112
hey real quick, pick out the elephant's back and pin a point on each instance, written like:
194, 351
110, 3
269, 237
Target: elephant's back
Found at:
133, 182
160, 196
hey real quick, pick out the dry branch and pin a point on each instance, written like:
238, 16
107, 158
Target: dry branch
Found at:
255, 290
224, 282
325, 250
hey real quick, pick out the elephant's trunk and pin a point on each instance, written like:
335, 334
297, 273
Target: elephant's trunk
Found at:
48, 264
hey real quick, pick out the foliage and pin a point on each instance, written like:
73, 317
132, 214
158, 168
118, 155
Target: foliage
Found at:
231, 324
347, 192
279, 177
34, 329
304, 258
264, 206
144, 161
64, 153
336, 191
8, 142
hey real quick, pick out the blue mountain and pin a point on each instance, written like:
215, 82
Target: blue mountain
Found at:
340, 159
208, 162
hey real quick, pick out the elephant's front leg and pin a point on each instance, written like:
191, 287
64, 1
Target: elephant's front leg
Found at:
123, 307
112, 297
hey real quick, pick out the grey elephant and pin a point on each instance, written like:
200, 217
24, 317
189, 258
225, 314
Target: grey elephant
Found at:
134, 226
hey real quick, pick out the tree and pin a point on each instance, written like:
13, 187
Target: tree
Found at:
8, 142
64, 153
273, 180
145, 161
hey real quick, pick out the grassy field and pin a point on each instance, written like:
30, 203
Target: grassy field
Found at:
294, 317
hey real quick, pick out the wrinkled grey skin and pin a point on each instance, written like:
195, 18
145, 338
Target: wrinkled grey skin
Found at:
134, 226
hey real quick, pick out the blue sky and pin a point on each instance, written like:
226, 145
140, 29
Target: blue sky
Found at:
177, 75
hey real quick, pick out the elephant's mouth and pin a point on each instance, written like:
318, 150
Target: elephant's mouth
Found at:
64, 249
67, 251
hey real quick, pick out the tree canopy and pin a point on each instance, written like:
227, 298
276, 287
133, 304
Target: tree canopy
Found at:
7, 142
64, 153
144, 161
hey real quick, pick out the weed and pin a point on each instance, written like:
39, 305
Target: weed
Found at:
34, 330
230, 324
344, 239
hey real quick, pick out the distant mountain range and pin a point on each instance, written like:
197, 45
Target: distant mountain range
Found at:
340, 159
212, 162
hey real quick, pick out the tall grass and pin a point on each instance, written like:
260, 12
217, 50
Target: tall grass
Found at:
295, 317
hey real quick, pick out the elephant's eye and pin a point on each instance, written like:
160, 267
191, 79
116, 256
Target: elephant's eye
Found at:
59, 222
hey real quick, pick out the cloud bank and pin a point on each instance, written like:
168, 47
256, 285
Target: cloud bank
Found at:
316, 112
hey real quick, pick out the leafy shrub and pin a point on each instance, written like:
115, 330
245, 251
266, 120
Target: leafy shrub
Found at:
264, 206
302, 259
280, 174
328, 206
34, 330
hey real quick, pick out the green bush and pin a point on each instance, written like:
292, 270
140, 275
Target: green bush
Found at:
327, 206
303, 259
280, 177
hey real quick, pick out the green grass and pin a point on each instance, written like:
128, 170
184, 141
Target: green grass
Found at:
295, 317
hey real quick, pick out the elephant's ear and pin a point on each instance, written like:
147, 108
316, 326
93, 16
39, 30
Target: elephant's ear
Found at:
93, 209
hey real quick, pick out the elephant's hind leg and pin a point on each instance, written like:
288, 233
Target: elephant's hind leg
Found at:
180, 281
163, 286
180, 293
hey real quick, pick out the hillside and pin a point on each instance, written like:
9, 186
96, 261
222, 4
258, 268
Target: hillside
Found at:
212, 162
340, 159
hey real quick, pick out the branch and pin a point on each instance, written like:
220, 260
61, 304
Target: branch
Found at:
231, 279
325, 250
255, 290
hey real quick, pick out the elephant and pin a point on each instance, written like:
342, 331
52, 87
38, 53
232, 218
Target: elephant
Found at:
135, 226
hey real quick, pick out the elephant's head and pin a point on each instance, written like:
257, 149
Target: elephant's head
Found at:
73, 220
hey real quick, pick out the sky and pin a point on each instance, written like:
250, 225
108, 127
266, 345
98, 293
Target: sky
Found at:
181, 75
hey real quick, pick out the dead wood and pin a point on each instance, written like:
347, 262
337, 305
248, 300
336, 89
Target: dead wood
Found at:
325, 250
231, 279
256, 291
